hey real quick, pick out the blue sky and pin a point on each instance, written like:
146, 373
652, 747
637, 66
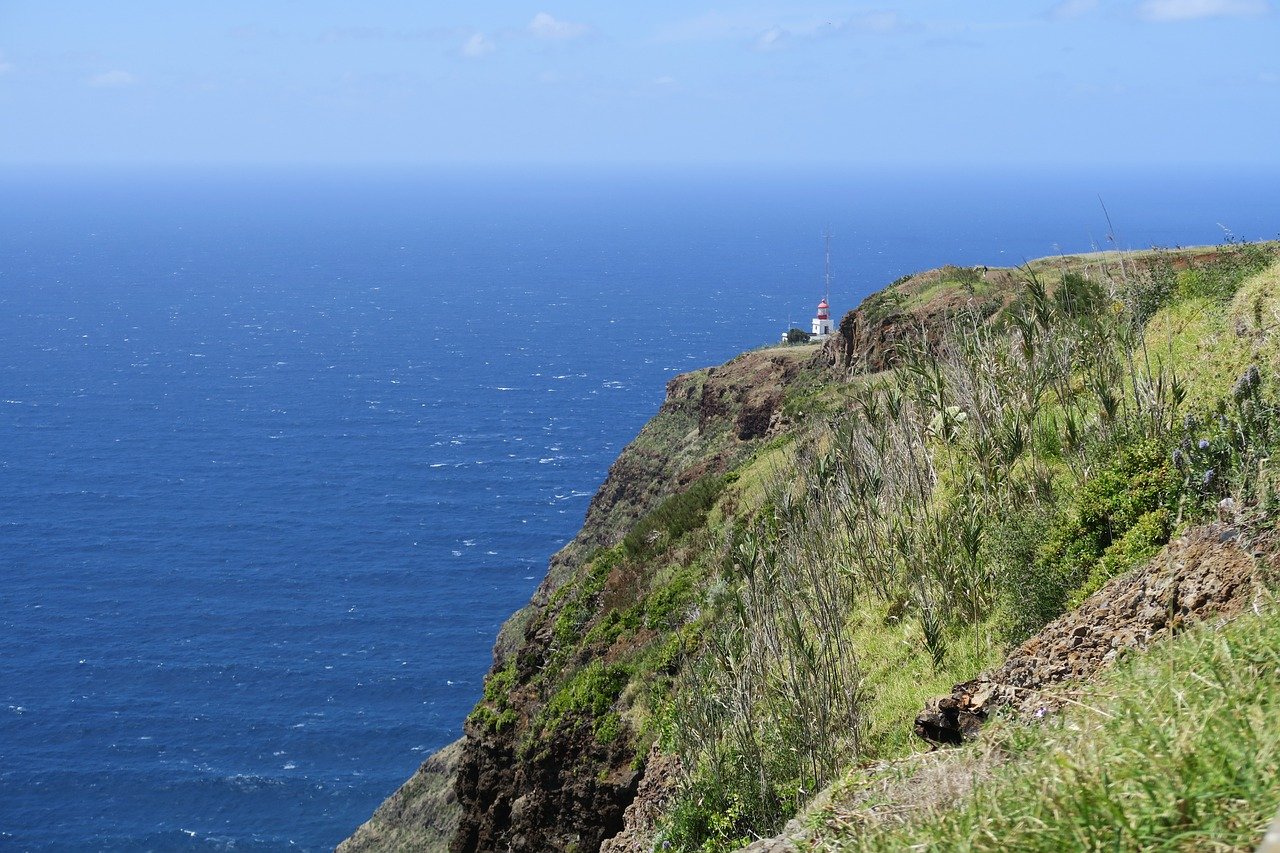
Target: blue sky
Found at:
1078, 82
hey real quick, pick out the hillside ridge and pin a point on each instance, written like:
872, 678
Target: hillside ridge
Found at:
977, 386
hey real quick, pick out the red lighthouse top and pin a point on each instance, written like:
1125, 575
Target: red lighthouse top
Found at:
822, 309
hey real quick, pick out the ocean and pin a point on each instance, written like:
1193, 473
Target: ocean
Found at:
280, 451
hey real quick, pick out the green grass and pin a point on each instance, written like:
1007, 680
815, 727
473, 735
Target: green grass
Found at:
1210, 341
1177, 749
898, 679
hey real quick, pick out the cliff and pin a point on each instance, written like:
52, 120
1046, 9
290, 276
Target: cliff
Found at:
807, 546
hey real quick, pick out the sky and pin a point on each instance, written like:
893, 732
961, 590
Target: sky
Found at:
575, 83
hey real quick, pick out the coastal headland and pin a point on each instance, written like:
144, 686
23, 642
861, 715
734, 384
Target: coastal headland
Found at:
994, 563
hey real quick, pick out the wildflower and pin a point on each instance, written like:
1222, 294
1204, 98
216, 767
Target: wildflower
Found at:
1203, 444
1209, 476
1179, 461
1247, 383
1190, 423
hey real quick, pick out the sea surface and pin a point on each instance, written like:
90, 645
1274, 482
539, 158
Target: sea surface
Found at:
280, 451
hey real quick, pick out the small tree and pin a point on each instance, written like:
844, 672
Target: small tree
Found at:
797, 336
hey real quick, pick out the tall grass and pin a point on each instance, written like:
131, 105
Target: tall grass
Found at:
1184, 758
971, 492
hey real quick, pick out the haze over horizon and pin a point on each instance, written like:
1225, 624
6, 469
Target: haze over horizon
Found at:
994, 84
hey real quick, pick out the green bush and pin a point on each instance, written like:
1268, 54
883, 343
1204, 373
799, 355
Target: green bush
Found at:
1135, 479
674, 517
1138, 544
1233, 263
494, 713
591, 691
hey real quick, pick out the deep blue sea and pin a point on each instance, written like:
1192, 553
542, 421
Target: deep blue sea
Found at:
280, 451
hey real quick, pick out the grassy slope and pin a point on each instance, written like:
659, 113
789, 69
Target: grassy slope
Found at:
628, 621
1173, 750
1209, 341
1192, 728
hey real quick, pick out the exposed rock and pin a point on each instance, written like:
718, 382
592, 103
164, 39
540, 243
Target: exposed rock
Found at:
422, 815
640, 821
525, 790
779, 844
1205, 574
557, 798
871, 336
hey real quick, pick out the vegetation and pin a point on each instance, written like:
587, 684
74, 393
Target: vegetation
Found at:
1175, 750
896, 510
777, 625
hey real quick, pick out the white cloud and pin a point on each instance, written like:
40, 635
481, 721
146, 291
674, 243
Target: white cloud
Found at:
544, 26
112, 79
1068, 9
478, 46
1194, 10
875, 22
772, 39
714, 26
866, 23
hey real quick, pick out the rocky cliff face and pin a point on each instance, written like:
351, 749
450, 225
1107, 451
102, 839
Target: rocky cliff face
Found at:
551, 781
522, 777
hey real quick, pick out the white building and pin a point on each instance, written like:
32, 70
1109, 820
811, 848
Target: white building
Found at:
822, 322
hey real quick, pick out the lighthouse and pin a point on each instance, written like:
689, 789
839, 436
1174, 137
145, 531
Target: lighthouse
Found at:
822, 322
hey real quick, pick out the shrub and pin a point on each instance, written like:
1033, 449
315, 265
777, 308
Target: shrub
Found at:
1136, 479
674, 517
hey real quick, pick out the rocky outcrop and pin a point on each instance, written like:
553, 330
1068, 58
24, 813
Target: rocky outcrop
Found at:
422, 815
640, 820
568, 793
915, 309
1211, 572
521, 789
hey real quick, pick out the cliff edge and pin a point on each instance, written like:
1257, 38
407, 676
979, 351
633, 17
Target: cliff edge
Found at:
807, 545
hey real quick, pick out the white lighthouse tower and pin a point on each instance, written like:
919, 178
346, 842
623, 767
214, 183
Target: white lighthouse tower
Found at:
822, 320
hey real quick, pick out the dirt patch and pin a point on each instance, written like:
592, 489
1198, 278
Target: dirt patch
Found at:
1209, 573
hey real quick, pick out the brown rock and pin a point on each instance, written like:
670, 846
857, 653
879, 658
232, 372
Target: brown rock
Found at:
1205, 574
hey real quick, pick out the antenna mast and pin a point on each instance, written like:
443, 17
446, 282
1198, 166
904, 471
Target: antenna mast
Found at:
826, 276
